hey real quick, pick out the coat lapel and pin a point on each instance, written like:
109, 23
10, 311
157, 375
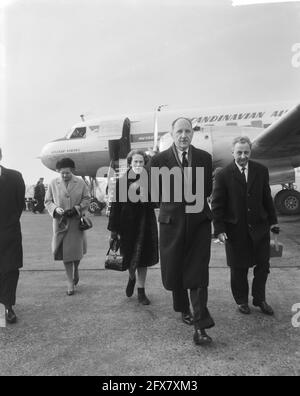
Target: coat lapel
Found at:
174, 156
191, 159
251, 174
61, 185
195, 161
72, 184
236, 173
3, 172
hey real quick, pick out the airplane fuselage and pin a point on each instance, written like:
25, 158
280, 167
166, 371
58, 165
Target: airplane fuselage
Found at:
88, 142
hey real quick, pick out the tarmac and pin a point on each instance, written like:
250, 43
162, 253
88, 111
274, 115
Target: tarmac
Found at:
101, 332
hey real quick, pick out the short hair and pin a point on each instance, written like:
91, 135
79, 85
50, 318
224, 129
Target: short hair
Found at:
242, 140
65, 163
182, 118
135, 152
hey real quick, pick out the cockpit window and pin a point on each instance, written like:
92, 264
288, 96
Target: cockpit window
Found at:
78, 133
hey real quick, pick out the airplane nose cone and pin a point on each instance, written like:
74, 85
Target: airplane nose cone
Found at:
46, 157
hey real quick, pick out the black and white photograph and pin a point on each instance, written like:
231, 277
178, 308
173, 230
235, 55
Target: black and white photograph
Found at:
149, 190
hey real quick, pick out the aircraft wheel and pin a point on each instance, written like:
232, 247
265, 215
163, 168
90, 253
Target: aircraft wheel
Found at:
287, 202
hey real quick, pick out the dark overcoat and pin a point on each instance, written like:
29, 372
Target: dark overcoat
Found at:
185, 238
136, 224
39, 192
39, 196
245, 212
12, 198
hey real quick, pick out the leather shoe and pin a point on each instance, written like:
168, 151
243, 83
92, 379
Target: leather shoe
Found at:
11, 317
244, 309
142, 298
265, 308
187, 318
130, 287
76, 280
201, 338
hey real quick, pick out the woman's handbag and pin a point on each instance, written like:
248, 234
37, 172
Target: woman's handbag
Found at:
114, 261
85, 223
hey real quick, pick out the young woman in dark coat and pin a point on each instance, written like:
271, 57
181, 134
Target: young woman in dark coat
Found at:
133, 224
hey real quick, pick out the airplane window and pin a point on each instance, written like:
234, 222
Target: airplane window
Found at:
94, 128
78, 133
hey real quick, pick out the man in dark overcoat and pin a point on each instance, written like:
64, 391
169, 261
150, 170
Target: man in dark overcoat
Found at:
244, 213
185, 235
12, 196
39, 196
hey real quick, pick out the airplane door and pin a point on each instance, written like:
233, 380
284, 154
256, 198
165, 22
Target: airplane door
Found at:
119, 148
125, 145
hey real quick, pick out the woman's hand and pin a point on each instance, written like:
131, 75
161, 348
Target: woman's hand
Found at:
114, 240
59, 211
222, 237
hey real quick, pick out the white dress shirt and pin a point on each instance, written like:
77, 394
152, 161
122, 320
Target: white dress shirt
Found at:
179, 152
246, 169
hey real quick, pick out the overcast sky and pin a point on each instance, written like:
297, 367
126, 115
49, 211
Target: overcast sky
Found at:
68, 57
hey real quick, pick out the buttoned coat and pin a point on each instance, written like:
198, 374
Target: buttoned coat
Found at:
185, 238
12, 198
72, 239
136, 224
245, 213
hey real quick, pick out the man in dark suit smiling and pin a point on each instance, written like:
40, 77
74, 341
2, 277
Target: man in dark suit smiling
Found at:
244, 213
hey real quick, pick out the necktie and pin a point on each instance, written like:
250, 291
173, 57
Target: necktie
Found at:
244, 174
185, 163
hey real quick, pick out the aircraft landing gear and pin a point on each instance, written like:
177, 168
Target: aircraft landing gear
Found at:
96, 207
287, 201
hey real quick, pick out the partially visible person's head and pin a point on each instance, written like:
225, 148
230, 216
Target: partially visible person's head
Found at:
66, 168
241, 150
182, 133
137, 159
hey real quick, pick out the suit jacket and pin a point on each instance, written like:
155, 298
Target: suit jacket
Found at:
185, 237
12, 199
244, 212
74, 240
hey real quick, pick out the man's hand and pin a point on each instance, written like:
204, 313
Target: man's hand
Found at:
275, 229
222, 237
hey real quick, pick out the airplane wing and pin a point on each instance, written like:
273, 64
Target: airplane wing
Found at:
281, 139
